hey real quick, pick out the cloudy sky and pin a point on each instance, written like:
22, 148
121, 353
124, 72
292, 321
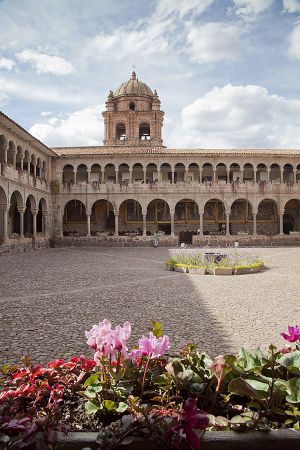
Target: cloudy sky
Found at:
227, 71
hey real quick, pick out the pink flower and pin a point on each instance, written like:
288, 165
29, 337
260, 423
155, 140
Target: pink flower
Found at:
294, 334
191, 419
151, 346
106, 341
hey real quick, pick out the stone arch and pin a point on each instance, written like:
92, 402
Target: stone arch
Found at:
179, 172
3, 206
241, 216
193, 174
288, 173
151, 173
221, 172
144, 131
291, 216
120, 131
214, 217
40, 218
102, 216
248, 172
28, 215
138, 173
186, 219
261, 173
32, 165
11, 153
95, 174
158, 215
81, 173
19, 158
74, 218
166, 172
26, 162
298, 173
38, 167
275, 174
3, 148
16, 204
44, 170
207, 173
234, 172
267, 217
110, 173
130, 217
68, 174
123, 176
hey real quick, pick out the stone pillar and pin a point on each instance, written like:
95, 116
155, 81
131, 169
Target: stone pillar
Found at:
5, 219
255, 174
89, 175
227, 223
268, 175
45, 222
254, 214
103, 176
34, 214
294, 175
242, 176
21, 212
116, 223
201, 215
172, 172
281, 212
34, 169
14, 159
172, 214
214, 175
88, 222
75, 176
130, 175
185, 175
200, 175
144, 224
22, 163
159, 175
145, 174
281, 174
228, 175
117, 176
5, 150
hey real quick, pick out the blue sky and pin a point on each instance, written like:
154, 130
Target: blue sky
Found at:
227, 71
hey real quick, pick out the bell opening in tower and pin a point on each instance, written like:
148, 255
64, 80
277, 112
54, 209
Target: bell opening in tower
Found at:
144, 133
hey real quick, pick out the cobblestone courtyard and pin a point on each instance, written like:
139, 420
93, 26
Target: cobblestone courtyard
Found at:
48, 298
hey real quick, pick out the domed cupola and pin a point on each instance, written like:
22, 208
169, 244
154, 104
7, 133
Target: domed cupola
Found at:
133, 116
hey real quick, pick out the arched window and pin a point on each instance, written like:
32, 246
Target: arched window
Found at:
121, 132
132, 106
144, 132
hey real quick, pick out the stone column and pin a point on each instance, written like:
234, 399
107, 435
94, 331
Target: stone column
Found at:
185, 175
172, 214
34, 169
34, 214
88, 222
159, 175
200, 176
5, 150
14, 159
21, 212
255, 174
172, 172
281, 212
201, 215
214, 175
130, 175
89, 175
75, 176
228, 176
117, 176
281, 175
242, 176
254, 214
145, 174
22, 163
268, 175
227, 223
294, 175
116, 223
144, 224
45, 224
5, 209
103, 176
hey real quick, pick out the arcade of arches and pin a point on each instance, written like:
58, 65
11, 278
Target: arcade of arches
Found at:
211, 219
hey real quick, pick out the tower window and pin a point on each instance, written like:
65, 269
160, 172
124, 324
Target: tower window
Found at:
121, 132
144, 132
132, 106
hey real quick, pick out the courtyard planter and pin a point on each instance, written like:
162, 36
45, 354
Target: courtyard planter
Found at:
242, 270
197, 270
222, 270
181, 268
257, 268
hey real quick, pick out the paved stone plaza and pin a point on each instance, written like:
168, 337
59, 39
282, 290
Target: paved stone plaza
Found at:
49, 297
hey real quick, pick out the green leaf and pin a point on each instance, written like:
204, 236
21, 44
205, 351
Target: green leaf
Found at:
122, 407
176, 368
156, 328
91, 408
92, 391
240, 419
291, 361
250, 361
93, 379
293, 390
109, 405
253, 389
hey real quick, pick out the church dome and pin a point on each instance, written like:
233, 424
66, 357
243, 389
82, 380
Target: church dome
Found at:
133, 87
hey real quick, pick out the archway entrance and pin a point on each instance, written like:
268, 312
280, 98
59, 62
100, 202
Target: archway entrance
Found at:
3, 204
130, 217
291, 217
13, 214
74, 220
241, 217
214, 219
186, 220
267, 219
158, 216
103, 217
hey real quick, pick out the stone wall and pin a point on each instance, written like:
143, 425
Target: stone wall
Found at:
23, 245
247, 241
113, 241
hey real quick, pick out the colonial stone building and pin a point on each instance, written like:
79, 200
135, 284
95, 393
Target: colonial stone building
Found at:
134, 185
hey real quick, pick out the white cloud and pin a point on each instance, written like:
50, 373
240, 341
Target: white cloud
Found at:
7, 64
214, 41
239, 116
294, 42
250, 8
3, 94
291, 6
45, 113
44, 63
83, 127
181, 8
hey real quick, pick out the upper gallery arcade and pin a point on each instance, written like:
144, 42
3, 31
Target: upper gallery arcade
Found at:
135, 184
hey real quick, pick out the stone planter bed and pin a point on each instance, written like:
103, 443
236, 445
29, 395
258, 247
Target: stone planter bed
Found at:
215, 270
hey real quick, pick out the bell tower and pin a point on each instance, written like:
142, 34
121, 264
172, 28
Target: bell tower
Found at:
133, 116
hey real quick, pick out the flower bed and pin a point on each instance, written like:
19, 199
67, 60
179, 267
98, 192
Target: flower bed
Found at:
143, 393
233, 261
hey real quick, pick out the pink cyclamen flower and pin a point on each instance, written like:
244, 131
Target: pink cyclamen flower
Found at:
191, 419
151, 346
107, 341
294, 334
